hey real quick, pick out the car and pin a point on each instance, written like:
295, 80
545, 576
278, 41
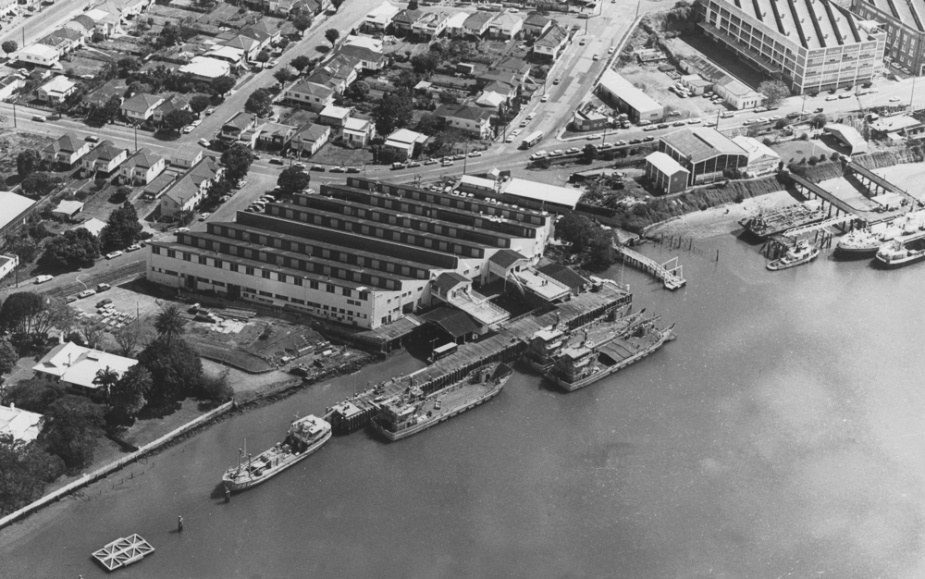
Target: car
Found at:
516, 132
635, 141
251, 209
760, 109
605, 146
558, 152
113, 254
204, 142
584, 16
92, 139
255, 156
398, 165
475, 154
649, 138
531, 116
845, 95
674, 114
762, 119
524, 122
357, 169
103, 287
693, 121
318, 168
509, 139
209, 111
679, 123
182, 230
274, 63
196, 123
892, 99
43, 278
204, 216
748, 121
556, 81
459, 157
39, 118
188, 129
446, 162
727, 114
431, 162
538, 155
338, 170
709, 124
595, 57
411, 164
820, 109
831, 97
133, 247
225, 198
102, 303
611, 50
572, 150
581, 42
70, 299
276, 161
86, 293
544, 98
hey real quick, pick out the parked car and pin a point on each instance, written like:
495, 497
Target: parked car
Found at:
113, 254
317, 168
446, 162
459, 157
833, 97
649, 138
475, 154
70, 299
103, 287
509, 139
86, 293
338, 170
276, 161
204, 142
188, 129
544, 98
102, 303
133, 247
209, 111
410, 165
43, 278
398, 165
431, 162
596, 57
357, 169
92, 139
196, 123
572, 150
39, 118
845, 95
531, 116
663, 125
556, 81
204, 216
679, 123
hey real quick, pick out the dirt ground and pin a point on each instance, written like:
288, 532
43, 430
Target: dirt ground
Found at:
655, 83
11, 144
722, 219
907, 177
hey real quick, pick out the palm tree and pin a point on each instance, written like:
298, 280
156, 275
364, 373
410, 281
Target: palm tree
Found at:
169, 323
106, 378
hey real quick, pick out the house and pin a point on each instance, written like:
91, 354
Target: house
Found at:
403, 22
67, 209
358, 132
64, 40
260, 32
66, 150
507, 26
248, 46
9, 85
477, 23
535, 25
472, 120
230, 54
369, 42
761, 158
380, 19
205, 172
76, 367
737, 95
309, 138
103, 159
665, 175
696, 84
16, 209
315, 95
81, 24
491, 100
56, 90
101, 96
186, 156
190, 189
406, 143
430, 25
140, 107
455, 24
343, 71
158, 186
369, 60
39, 55
177, 102
206, 69
93, 225
141, 168
550, 43
236, 125
334, 116
275, 136
519, 67
107, 19
7, 264
20, 425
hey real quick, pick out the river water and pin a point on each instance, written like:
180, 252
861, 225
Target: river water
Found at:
781, 435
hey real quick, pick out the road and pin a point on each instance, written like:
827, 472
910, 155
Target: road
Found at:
42, 23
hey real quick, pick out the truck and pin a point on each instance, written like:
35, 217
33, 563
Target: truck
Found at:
532, 140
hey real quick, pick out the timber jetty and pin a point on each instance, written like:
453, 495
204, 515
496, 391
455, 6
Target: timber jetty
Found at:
507, 344
669, 273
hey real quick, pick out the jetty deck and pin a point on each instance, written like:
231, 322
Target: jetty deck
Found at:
123, 552
671, 278
507, 344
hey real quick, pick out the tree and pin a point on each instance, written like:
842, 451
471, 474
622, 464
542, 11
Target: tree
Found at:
259, 102
331, 35
127, 396
589, 153
176, 119
413, 5
71, 250
175, 369
200, 103
26, 469
337, 4
237, 160
34, 394
394, 111
21, 313
444, 142
284, 75
170, 35
97, 36
774, 91
8, 356
101, 115
169, 323
129, 336
105, 379
425, 63
71, 425
300, 63
10, 46
263, 56
358, 91
126, 66
302, 22
293, 180
429, 124
818, 121
222, 85
216, 388
39, 184
92, 331
27, 162
122, 229
575, 229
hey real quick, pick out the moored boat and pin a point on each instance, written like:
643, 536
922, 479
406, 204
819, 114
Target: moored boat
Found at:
413, 411
306, 435
900, 253
799, 254
548, 343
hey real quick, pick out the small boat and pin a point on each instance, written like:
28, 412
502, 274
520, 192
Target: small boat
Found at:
900, 253
305, 436
799, 254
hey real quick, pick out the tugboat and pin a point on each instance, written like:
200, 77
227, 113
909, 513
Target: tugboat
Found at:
412, 411
305, 436
901, 253
863, 242
799, 254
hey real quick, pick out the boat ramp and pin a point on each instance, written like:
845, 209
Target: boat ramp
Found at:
507, 344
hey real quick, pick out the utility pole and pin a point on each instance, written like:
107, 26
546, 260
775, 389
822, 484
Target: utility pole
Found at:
135, 128
912, 94
14, 114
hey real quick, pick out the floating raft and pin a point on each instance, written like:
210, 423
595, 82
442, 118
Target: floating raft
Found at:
123, 552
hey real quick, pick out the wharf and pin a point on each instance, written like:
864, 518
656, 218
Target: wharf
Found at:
672, 278
506, 345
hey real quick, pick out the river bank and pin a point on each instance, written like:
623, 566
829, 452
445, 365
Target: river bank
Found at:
723, 219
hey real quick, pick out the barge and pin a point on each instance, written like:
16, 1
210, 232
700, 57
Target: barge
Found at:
772, 223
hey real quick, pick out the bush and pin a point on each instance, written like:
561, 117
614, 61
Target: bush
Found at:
216, 388
813, 161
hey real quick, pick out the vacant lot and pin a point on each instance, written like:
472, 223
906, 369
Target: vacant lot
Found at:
655, 83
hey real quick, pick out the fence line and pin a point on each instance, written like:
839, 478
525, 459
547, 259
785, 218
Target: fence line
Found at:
112, 467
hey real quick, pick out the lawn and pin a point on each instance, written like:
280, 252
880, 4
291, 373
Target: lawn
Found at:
334, 154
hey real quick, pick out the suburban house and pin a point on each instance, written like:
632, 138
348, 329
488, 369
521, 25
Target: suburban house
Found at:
67, 209
81, 24
309, 139
260, 32
477, 23
20, 425
231, 55
430, 25
236, 125
551, 42
358, 132
455, 24
159, 186
403, 22
507, 26
66, 151
380, 18
334, 116
103, 159
472, 120
519, 67
140, 107
535, 25
141, 168
7, 264
406, 143
249, 46
275, 136
9, 85
187, 192
106, 19
315, 95
102, 94
368, 59
56, 90
76, 367
206, 69
64, 40
39, 54
343, 70
177, 102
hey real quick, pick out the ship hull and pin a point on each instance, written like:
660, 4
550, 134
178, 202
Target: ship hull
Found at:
856, 252
898, 263
778, 265
579, 384
238, 486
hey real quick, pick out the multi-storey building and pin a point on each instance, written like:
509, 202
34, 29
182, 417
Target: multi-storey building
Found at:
810, 44
364, 253
904, 21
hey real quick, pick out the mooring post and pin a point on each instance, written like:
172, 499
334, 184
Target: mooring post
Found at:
717, 255
180, 524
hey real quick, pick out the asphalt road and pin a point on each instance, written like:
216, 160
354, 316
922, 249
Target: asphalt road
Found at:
42, 23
